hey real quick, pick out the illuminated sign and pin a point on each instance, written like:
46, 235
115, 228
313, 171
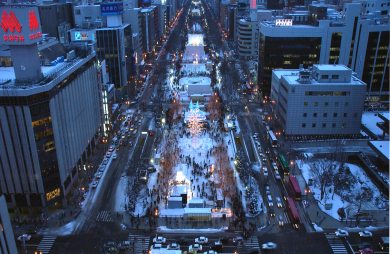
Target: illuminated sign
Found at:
20, 26
283, 22
80, 36
111, 9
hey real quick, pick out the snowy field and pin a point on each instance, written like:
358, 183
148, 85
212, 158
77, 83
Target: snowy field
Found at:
337, 200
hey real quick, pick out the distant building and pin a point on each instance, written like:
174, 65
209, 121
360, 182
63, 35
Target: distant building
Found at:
7, 239
325, 100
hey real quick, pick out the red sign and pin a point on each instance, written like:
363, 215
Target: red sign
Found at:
32, 21
10, 22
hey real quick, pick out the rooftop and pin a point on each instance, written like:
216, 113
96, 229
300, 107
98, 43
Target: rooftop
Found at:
331, 67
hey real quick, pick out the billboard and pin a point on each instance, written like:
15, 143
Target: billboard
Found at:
83, 35
20, 26
111, 9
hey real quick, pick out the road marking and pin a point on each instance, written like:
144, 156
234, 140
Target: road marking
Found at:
104, 216
46, 244
336, 243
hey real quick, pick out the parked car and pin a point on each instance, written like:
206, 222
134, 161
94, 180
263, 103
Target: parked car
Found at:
114, 157
195, 247
25, 237
341, 233
365, 233
269, 246
173, 246
95, 184
99, 175
159, 239
105, 162
102, 168
202, 240
278, 202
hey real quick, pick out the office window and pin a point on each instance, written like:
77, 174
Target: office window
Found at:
336, 104
343, 125
335, 115
303, 125
325, 114
323, 125
315, 104
313, 125
346, 104
335, 76
315, 115
345, 114
354, 114
333, 125
324, 76
305, 104
304, 114
326, 104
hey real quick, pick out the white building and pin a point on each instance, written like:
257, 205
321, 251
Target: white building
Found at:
194, 48
323, 100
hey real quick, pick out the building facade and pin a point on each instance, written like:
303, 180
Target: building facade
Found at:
322, 100
7, 239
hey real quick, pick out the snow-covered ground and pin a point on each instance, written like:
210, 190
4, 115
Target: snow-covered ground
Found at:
337, 200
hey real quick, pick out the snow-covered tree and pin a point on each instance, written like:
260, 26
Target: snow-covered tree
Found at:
214, 109
322, 173
360, 197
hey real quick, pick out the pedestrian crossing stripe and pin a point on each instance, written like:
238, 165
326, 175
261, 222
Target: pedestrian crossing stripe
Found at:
104, 216
286, 218
141, 244
46, 244
336, 244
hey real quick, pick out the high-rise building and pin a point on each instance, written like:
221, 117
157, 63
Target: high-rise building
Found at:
49, 118
7, 239
324, 36
325, 99
150, 29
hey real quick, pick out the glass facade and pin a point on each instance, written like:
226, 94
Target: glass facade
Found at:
285, 53
334, 53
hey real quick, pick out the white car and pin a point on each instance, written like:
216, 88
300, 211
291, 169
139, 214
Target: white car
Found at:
99, 175
105, 162
269, 246
365, 233
95, 184
265, 171
25, 237
267, 190
270, 202
277, 175
202, 240
108, 155
159, 239
210, 252
173, 246
102, 168
195, 247
278, 202
341, 233
114, 157
274, 165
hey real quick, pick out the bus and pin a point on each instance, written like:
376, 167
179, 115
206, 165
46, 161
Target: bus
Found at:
294, 187
292, 213
283, 164
272, 139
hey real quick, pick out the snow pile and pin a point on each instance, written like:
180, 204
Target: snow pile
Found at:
317, 228
369, 120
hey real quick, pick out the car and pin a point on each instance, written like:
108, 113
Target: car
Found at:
95, 184
367, 251
32, 231
237, 240
105, 162
114, 157
264, 159
131, 143
365, 233
102, 168
124, 143
271, 212
224, 239
139, 122
281, 222
217, 246
124, 245
110, 149
202, 240
269, 199
267, 190
182, 241
24, 237
159, 239
210, 252
265, 171
255, 135
341, 233
267, 152
274, 165
269, 246
278, 202
99, 175
277, 175
157, 246
195, 247
173, 246
364, 245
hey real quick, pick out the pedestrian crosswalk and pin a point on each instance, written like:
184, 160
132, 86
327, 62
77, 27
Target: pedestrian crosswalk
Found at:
336, 243
141, 243
252, 243
286, 219
46, 244
104, 216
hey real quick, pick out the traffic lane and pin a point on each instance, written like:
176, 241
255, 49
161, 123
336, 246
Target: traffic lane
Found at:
354, 239
31, 246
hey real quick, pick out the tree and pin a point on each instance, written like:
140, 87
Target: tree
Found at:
169, 158
322, 173
214, 109
360, 197
343, 179
223, 172
175, 111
